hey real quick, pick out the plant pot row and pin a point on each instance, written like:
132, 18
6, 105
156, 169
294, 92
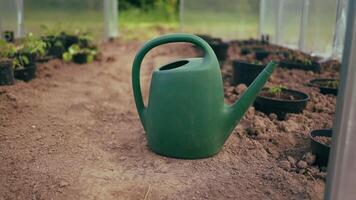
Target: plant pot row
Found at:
17, 63
8, 74
291, 101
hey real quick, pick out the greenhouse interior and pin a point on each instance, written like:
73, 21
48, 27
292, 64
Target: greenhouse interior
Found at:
81, 119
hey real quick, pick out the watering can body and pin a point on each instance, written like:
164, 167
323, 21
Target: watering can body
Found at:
186, 116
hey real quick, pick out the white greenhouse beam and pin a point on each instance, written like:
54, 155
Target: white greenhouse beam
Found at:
303, 24
111, 18
181, 15
341, 178
340, 26
20, 19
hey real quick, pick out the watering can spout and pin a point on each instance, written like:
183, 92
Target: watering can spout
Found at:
238, 109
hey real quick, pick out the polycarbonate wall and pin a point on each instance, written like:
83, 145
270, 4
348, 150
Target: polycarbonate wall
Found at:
340, 29
8, 18
268, 18
305, 24
68, 15
228, 19
321, 26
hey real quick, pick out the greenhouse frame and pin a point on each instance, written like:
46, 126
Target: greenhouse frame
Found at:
325, 28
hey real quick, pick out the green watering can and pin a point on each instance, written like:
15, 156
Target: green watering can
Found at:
186, 116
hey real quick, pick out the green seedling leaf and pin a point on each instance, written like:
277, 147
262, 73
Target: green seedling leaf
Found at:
67, 57
90, 58
74, 49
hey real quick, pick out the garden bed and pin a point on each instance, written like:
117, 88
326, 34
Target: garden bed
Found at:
73, 133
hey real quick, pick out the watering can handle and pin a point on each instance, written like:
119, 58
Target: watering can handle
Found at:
169, 38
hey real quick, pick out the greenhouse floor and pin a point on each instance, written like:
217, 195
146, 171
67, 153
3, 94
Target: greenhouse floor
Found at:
74, 133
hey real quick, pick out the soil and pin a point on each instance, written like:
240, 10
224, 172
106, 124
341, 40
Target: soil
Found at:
74, 133
283, 95
323, 140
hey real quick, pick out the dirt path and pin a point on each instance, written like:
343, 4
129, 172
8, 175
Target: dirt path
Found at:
73, 133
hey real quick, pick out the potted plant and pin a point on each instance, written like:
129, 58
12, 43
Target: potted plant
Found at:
320, 145
85, 41
326, 86
55, 46
35, 49
220, 48
24, 68
261, 54
68, 39
280, 100
244, 72
25, 58
6, 66
300, 61
79, 55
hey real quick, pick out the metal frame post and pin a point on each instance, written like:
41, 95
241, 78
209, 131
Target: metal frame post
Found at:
181, 14
340, 184
303, 25
339, 31
19, 16
111, 18
279, 22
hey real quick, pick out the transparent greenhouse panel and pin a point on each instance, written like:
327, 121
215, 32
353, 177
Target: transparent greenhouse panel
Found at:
320, 27
69, 15
8, 17
269, 18
338, 43
229, 19
290, 23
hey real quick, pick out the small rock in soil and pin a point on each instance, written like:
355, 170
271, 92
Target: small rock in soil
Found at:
302, 164
241, 88
310, 158
273, 116
63, 184
285, 164
292, 161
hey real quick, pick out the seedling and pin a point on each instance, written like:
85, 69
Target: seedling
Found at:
7, 50
276, 90
33, 45
331, 84
75, 50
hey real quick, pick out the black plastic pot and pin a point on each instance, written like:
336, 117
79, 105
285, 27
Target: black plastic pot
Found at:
323, 89
30, 56
261, 54
207, 38
245, 51
315, 66
56, 51
80, 58
245, 72
9, 36
26, 74
281, 106
321, 150
220, 49
56, 47
69, 40
6, 73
